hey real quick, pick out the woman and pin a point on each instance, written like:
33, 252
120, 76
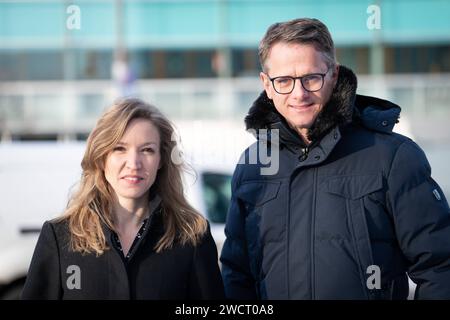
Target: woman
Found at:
128, 232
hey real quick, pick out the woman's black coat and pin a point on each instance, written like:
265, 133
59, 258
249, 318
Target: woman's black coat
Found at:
182, 272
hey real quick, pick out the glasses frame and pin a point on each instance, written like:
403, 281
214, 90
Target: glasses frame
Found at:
301, 81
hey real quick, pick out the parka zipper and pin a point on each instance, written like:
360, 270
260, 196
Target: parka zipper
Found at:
304, 156
313, 223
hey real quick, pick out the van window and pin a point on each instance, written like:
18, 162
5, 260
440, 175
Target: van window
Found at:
217, 193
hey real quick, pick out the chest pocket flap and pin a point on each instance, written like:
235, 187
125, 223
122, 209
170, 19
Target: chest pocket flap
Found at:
257, 193
354, 187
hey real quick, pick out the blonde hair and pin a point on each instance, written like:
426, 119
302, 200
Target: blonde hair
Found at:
91, 205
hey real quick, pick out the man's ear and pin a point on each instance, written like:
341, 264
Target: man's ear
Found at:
266, 84
335, 74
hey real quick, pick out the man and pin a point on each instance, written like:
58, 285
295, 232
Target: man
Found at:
352, 208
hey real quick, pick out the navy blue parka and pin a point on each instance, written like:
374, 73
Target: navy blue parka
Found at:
347, 217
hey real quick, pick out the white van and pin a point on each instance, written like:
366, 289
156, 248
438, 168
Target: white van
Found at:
36, 179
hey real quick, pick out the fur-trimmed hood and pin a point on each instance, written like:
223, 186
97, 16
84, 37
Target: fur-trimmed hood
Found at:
343, 107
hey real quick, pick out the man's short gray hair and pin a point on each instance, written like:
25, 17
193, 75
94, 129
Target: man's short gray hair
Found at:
298, 31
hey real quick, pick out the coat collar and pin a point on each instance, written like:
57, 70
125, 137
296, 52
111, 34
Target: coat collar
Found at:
155, 215
344, 107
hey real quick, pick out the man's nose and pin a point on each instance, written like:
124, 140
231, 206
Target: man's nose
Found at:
299, 91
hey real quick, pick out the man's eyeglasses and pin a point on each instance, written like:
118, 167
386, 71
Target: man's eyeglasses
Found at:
311, 82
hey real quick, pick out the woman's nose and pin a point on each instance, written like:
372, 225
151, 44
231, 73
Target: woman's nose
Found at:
134, 160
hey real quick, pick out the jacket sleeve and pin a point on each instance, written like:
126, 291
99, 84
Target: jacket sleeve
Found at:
206, 281
422, 221
43, 280
237, 277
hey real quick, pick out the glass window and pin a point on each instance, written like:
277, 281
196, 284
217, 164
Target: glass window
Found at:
217, 195
418, 59
11, 109
31, 65
356, 59
93, 64
44, 65
175, 64
90, 107
141, 63
245, 62
203, 64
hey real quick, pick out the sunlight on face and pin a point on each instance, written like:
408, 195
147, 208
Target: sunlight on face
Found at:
131, 167
300, 108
